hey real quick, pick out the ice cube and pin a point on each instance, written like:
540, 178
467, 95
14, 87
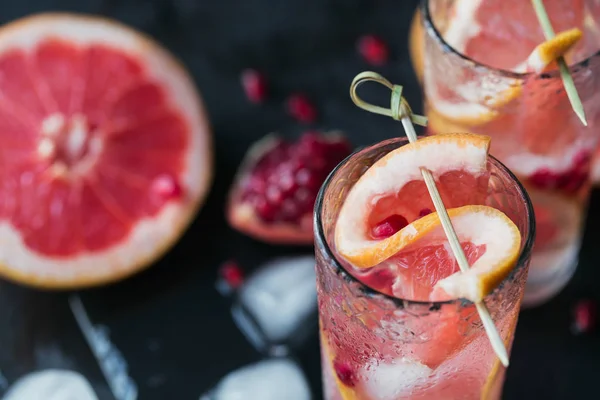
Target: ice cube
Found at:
281, 296
51, 384
390, 381
274, 379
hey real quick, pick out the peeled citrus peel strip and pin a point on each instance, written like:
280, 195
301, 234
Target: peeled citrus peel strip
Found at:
439, 154
544, 56
480, 225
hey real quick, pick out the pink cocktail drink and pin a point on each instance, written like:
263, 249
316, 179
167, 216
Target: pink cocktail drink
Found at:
386, 333
482, 75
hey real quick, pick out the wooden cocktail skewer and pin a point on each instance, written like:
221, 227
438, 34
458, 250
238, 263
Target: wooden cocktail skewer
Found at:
400, 111
565, 74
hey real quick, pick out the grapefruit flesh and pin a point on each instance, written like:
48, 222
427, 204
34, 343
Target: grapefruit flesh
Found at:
106, 151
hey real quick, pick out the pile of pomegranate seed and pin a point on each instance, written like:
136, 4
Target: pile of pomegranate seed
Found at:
255, 85
569, 181
301, 109
283, 185
373, 50
231, 273
584, 317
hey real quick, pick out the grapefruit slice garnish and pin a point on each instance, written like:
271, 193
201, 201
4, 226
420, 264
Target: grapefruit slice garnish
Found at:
370, 228
473, 105
106, 151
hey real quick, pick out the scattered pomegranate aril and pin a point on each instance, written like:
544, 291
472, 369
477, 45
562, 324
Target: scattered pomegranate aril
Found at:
166, 187
255, 85
584, 317
424, 212
373, 50
569, 181
276, 187
301, 109
388, 226
232, 274
344, 373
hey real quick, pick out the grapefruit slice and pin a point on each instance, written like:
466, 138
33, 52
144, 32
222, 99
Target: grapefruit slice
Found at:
379, 224
106, 151
470, 103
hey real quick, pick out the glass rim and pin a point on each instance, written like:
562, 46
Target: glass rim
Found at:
321, 241
433, 32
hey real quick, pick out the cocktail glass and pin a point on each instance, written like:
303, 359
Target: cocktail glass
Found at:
377, 347
535, 133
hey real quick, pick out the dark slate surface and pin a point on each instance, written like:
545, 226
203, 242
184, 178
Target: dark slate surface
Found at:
171, 325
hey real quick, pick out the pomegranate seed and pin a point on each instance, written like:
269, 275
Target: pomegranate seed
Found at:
300, 108
283, 184
166, 187
424, 212
388, 226
382, 279
255, 85
373, 50
569, 181
344, 373
584, 317
232, 274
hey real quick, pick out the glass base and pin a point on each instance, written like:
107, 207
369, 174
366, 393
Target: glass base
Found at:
544, 283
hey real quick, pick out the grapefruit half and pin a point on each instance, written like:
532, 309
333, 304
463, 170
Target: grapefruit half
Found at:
106, 151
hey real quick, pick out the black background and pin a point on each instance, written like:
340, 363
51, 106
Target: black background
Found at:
172, 326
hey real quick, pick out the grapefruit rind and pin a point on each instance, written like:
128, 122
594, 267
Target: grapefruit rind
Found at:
482, 225
439, 154
151, 237
551, 50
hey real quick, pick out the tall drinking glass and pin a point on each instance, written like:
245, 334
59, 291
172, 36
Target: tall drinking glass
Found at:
529, 117
377, 347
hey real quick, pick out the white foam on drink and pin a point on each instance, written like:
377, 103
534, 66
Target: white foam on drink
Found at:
390, 381
281, 295
51, 384
276, 379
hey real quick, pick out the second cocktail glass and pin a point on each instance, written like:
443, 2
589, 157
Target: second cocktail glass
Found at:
529, 117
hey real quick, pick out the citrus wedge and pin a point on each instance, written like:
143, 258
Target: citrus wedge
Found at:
379, 223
